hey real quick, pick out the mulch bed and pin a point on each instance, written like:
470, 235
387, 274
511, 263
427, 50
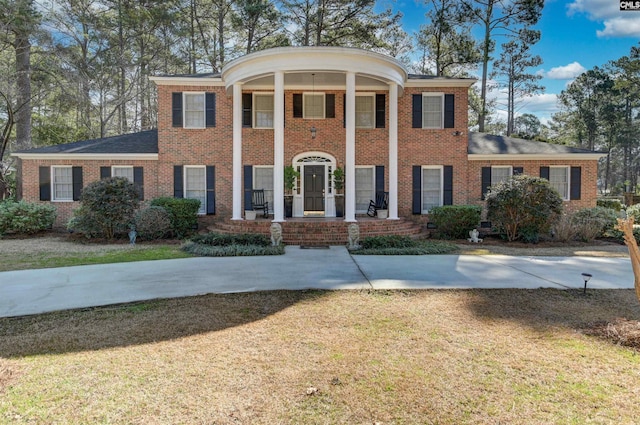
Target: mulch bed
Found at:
621, 331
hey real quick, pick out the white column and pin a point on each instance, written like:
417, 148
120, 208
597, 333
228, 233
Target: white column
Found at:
393, 151
237, 152
278, 147
350, 154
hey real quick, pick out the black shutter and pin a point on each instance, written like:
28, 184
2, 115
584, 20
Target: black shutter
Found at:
210, 109
176, 109
379, 189
517, 171
211, 189
247, 100
105, 172
248, 187
449, 111
380, 110
416, 114
576, 183
447, 185
178, 182
138, 181
544, 172
485, 181
330, 105
76, 173
45, 183
416, 205
297, 105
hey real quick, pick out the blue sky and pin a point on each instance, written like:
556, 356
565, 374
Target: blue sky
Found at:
576, 36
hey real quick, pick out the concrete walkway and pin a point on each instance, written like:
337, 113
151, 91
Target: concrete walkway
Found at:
38, 291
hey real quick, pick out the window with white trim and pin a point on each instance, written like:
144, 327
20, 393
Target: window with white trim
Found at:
194, 110
559, 179
432, 110
263, 110
122, 171
62, 183
313, 106
500, 174
432, 189
365, 111
195, 185
365, 187
263, 179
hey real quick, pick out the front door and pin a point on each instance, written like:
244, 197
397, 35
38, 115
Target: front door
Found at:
314, 188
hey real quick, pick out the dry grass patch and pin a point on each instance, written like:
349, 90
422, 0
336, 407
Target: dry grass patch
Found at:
315, 357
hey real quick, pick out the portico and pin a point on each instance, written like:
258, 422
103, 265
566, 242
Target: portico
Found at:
314, 71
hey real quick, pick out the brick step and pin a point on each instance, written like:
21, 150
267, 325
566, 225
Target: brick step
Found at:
318, 231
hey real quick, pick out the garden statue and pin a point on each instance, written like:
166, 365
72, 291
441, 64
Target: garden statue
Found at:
474, 236
354, 236
132, 235
276, 234
626, 227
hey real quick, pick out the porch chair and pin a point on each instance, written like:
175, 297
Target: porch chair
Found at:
258, 202
381, 203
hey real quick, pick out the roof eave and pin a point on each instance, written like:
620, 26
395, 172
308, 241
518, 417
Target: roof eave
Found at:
187, 81
565, 156
87, 156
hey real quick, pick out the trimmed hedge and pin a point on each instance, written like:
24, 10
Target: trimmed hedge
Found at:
153, 223
611, 203
25, 218
183, 213
402, 245
226, 245
455, 221
221, 239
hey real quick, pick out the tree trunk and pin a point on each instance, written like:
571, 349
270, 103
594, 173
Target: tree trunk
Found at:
23, 81
485, 65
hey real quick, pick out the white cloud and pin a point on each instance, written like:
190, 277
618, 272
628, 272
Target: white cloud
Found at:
617, 23
566, 72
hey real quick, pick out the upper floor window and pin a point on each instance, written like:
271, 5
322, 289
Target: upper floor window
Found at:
193, 109
313, 106
262, 110
365, 111
433, 110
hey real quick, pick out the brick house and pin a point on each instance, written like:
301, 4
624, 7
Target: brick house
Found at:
314, 108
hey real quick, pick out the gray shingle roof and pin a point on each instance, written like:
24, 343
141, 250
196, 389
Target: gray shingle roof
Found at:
488, 144
135, 143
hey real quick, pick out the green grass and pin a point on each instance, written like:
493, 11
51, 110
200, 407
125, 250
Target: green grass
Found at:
47, 260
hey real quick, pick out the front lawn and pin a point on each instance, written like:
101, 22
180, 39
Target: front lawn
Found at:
315, 357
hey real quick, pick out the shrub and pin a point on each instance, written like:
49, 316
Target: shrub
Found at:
611, 203
592, 223
455, 221
523, 207
387, 241
183, 213
220, 239
564, 229
634, 211
153, 223
26, 218
107, 208
231, 250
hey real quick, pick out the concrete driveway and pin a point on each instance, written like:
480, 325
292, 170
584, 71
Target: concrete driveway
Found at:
38, 291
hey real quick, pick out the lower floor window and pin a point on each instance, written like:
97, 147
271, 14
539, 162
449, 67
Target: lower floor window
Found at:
559, 180
126, 172
263, 179
62, 178
195, 186
364, 188
431, 188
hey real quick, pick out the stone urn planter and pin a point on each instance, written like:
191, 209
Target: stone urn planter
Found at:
249, 215
383, 214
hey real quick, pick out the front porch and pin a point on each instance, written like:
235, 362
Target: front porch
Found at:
319, 231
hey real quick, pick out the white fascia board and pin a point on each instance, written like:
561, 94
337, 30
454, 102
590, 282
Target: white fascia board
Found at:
188, 81
440, 82
88, 156
537, 157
